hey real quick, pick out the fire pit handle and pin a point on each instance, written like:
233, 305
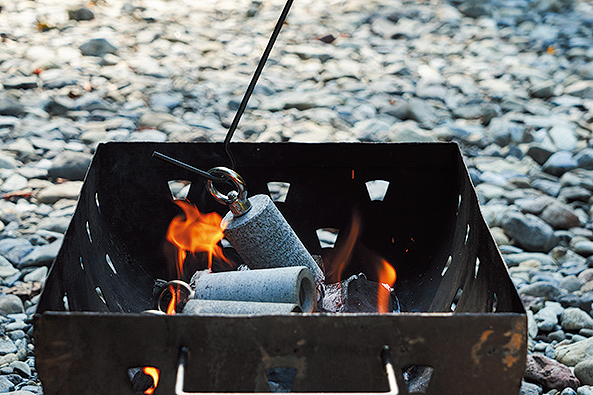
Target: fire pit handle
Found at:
385, 357
236, 200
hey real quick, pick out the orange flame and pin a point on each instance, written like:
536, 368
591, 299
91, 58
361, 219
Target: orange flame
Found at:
175, 296
387, 277
154, 373
195, 232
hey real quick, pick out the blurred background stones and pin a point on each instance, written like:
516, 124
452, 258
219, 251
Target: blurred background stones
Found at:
511, 81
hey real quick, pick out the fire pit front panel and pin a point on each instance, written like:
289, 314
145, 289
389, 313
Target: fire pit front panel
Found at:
89, 353
427, 224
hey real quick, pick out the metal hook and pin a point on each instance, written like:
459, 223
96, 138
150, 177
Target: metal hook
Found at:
177, 283
236, 200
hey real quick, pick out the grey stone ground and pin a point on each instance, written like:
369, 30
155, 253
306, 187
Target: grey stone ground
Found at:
510, 80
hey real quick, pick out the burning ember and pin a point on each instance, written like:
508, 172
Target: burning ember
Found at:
387, 277
154, 373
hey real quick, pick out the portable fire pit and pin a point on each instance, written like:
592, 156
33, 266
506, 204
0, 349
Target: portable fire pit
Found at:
462, 324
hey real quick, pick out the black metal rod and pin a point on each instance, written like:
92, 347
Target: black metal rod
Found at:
254, 79
176, 162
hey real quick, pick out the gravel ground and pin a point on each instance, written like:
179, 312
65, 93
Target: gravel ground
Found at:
510, 80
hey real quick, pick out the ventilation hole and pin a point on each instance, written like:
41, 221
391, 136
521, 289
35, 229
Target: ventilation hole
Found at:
447, 264
494, 302
281, 379
278, 190
459, 202
225, 243
144, 380
477, 267
417, 378
110, 263
179, 188
88, 231
97, 202
100, 294
81, 263
456, 299
327, 237
66, 302
377, 189
466, 234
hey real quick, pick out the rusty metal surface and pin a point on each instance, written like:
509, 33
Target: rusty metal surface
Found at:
430, 213
428, 226
89, 353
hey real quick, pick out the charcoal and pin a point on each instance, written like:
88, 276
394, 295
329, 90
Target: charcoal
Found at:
356, 294
141, 382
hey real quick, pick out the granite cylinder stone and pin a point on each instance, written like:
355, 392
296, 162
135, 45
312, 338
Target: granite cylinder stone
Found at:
264, 239
293, 285
200, 306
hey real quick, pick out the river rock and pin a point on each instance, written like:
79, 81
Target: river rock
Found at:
574, 319
529, 231
559, 163
11, 304
584, 372
97, 47
66, 190
549, 374
70, 165
572, 354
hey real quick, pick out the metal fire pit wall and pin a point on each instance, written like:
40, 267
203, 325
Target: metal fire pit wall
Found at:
461, 315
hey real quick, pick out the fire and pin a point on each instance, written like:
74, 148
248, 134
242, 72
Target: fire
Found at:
154, 373
342, 256
387, 276
175, 296
195, 232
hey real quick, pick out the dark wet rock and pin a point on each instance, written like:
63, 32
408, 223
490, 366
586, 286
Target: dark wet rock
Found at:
81, 14
549, 374
560, 216
97, 47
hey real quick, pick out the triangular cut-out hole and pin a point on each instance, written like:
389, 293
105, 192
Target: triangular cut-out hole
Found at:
179, 188
417, 378
477, 267
377, 189
144, 380
278, 190
281, 379
327, 237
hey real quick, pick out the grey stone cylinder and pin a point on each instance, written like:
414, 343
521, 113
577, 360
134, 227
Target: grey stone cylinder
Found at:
200, 306
264, 239
292, 285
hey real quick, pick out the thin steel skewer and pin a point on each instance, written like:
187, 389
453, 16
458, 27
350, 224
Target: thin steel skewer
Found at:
254, 79
176, 162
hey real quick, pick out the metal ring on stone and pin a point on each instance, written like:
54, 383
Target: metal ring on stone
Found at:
236, 200
165, 291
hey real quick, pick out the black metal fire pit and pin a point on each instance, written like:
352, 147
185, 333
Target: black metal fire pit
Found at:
461, 316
